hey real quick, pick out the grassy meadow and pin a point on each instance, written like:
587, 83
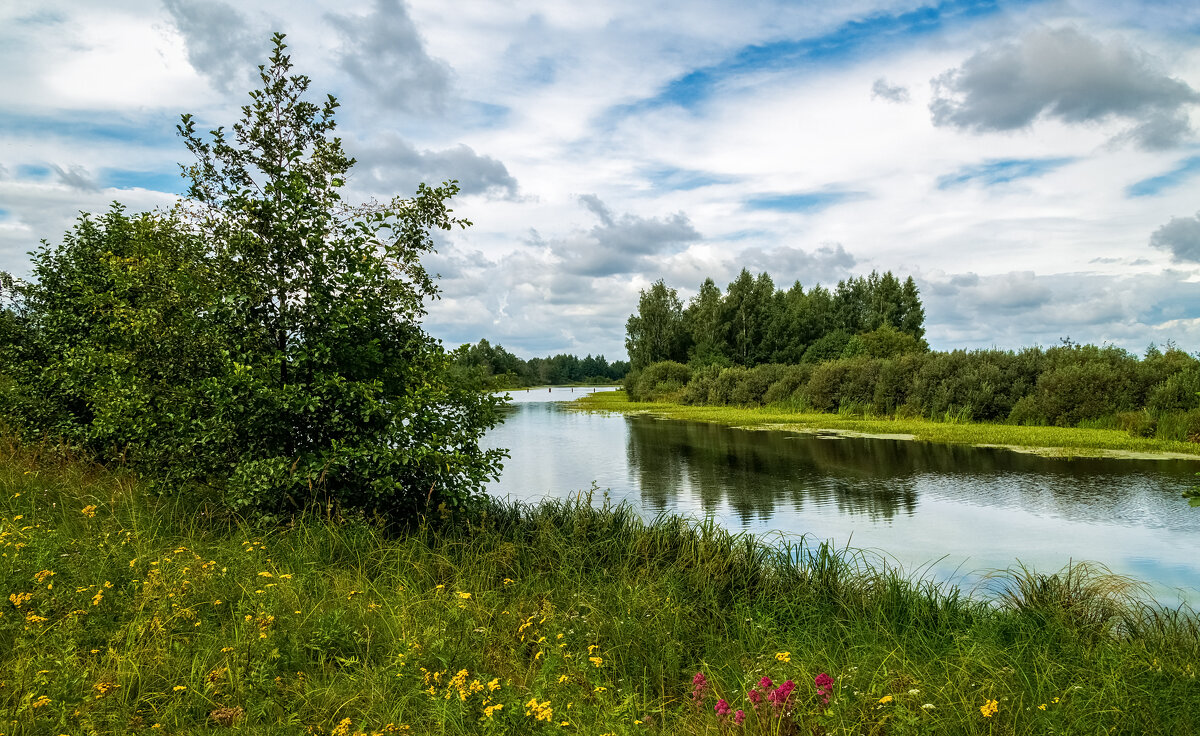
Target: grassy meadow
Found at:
1064, 441
124, 613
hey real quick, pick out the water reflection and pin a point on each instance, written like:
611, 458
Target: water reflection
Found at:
947, 509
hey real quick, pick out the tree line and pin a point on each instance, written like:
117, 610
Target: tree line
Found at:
497, 368
754, 323
260, 344
1070, 385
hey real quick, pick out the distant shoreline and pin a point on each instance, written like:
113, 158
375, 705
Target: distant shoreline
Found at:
1065, 442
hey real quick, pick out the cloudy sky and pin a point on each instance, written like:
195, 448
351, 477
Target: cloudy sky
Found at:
1034, 165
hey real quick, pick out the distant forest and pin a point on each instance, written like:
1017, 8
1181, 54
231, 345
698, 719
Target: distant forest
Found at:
753, 323
495, 367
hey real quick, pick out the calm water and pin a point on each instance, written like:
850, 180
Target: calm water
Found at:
948, 511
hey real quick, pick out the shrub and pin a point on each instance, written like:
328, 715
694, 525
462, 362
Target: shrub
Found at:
658, 381
754, 384
791, 379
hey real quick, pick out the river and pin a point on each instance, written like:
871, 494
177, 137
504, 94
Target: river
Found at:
949, 512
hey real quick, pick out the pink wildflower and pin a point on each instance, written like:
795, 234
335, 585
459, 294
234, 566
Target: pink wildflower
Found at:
722, 708
739, 716
699, 688
779, 696
755, 697
824, 685
765, 682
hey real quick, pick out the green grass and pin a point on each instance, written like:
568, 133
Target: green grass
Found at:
124, 613
1065, 441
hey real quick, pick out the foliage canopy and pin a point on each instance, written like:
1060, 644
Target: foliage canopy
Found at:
264, 338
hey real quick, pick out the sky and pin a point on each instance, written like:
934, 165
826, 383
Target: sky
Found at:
1034, 166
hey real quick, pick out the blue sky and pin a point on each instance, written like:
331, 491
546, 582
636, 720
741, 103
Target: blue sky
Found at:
1033, 165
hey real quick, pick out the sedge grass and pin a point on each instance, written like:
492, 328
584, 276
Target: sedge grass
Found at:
124, 613
1054, 441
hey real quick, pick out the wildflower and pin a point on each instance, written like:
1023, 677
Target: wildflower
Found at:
19, 599
507, 581
927, 706
824, 684
989, 708
44, 700
491, 709
343, 728
265, 575
464, 596
699, 688
97, 598
885, 700
179, 688
783, 656
1042, 706
494, 685
41, 576
598, 661
563, 678
779, 696
739, 716
89, 510
765, 682
722, 708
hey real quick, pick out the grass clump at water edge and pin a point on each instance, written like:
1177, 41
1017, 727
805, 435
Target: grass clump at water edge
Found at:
124, 613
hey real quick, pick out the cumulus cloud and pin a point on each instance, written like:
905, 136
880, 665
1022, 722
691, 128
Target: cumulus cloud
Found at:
890, 92
220, 43
622, 243
384, 53
1017, 309
1066, 75
76, 177
1181, 238
394, 165
825, 265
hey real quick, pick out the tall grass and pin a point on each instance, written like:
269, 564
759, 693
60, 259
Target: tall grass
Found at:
124, 613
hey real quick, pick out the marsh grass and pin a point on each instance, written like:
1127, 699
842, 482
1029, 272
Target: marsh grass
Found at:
951, 428
126, 613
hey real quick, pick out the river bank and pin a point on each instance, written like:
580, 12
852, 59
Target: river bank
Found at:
1046, 441
128, 613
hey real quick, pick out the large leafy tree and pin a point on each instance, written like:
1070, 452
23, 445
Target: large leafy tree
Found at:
330, 389
264, 340
657, 331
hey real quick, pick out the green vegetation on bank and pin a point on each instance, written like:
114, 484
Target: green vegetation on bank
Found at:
496, 368
259, 345
126, 612
1048, 440
755, 323
1080, 386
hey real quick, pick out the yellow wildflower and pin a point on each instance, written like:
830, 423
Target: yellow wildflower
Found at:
598, 661
19, 599
989, 708
44, 700
41, 576
885, 700
343, 728
464, 596
783, 656
494, 685
491, 709
97, 598
178, 688
89, 510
